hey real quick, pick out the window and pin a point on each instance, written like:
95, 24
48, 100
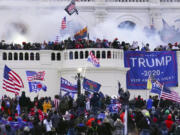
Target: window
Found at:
53, 56
86, 54
109, 54
4, 56
37, 56
58, 56
20, 56
98, 54
76, 55
31, 56
15, 56
26, 56
81, 55
103, 54
10, 56
70, 55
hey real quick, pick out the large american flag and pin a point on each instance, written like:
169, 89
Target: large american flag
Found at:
12, 82
164, 92
170, 95
63, 23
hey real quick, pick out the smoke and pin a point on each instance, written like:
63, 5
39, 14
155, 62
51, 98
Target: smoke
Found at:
109, 30
28, 20
31, 22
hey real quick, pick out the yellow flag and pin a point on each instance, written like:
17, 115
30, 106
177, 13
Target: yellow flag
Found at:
149, 84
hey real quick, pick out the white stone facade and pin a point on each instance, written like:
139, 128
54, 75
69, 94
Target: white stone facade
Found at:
110, 72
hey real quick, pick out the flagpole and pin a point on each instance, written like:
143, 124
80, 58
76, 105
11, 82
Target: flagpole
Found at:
160, 95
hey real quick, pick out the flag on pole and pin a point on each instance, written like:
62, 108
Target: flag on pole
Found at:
12, 82
92, 58
63, 23
90, 85
170, 95
156, 87
81, 34
164, 92
68, 86
71, 9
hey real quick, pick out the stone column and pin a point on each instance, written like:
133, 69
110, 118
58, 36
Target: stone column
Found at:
100, 11
155, 14
155, 18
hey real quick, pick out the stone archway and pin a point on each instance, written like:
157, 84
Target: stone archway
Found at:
128, 25
130, 20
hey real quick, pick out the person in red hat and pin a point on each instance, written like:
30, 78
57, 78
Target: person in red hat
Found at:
169, 122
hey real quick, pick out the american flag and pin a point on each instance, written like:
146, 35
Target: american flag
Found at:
92, 58
170, 95
12, 82
63, 23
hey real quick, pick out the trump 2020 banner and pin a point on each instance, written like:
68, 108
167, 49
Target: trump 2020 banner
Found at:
91, 85
162, 65
36, 81
68, 86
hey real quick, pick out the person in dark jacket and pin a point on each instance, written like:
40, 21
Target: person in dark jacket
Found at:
24, 102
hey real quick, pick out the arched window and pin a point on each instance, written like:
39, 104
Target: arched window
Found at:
52, 56
31, 56
70, 55
109, 54
86, 54
10, 56
4, 56
37, 56
103, 54
76, 55
128, 25
58, 56
81, 55
98, 54
20, 56
26, 56
15, 56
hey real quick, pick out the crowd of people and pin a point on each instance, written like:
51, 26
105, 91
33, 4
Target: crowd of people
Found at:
88, 114
86, 43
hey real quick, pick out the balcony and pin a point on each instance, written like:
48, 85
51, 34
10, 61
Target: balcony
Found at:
71, 58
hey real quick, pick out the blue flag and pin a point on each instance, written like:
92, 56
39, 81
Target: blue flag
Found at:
156, 87
68, 86
91, 85
35, 81
162, 64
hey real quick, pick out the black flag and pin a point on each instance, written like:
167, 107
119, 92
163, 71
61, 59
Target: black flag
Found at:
71, 8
